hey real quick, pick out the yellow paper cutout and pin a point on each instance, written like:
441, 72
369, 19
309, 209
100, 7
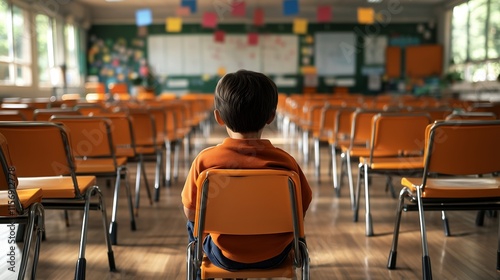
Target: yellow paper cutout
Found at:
106, 58
309, 39
173, 24
366, 15
205, 77
221, 71
300, 26
308, 70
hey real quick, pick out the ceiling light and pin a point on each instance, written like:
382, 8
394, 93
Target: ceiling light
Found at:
374, 1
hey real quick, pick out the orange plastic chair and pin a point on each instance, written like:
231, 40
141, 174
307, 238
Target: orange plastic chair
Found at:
357, 146
46, 114
279, 211
456, 149
51, 167
11, 115
324, 132
144, 129
21, 207
93, 148
471, 116
396, 148
25, 109
340, 137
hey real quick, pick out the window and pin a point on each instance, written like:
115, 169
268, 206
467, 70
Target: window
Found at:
15, 50
72, 48
45, 45
475, 40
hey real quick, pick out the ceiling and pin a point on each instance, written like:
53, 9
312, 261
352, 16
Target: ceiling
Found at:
101, 11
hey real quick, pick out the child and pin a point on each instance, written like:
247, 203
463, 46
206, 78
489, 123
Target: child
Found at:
245, 102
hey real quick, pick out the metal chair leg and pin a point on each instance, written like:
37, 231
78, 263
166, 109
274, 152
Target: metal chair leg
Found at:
391, 262
368, 213
446, 226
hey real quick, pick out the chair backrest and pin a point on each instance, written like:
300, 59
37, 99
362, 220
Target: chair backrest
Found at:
343, 123
8, 178
259, 201
328, 120
46, 114
160, 120
462, 148
249, 202
471, 116
12, 115
89, 136
26, 109
436, 114
123, 136
400, 133
87, 109
144, 127
39, 148
361, 128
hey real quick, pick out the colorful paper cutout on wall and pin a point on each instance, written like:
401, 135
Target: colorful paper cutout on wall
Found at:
221, 71
238, 8
219, 36
183, 11
253, 38
142, 31
324, 14
173, 24
300, 26
258, 17
290, 7
209, 20
189, 3
143, 17
366, 15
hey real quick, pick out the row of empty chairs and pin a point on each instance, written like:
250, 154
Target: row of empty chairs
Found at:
398, 138
95, 140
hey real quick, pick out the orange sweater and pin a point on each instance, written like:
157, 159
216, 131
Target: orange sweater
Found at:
245, 154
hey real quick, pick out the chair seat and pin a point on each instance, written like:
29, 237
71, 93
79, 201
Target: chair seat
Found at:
365, 152
57, 187
456, 187
27, 197
286, 269
145, 150
394, 163
98, 165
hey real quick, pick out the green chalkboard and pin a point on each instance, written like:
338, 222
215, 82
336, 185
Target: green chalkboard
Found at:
119, 52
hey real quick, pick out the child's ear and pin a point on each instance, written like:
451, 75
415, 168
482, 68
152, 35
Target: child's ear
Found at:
271, 118
218, 119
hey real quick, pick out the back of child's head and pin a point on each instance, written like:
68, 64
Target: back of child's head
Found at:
246, 100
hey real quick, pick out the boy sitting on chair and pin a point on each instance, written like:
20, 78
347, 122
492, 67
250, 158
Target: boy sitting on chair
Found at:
245, 102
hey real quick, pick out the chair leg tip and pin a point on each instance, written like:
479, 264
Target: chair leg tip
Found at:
81, 265
133, 226
391, 263
111, 260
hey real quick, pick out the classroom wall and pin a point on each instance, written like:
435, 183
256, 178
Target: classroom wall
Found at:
117, 51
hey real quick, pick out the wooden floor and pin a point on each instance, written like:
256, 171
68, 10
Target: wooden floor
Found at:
338, 247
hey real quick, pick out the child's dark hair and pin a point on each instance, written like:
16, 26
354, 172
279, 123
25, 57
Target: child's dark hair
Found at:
246, 100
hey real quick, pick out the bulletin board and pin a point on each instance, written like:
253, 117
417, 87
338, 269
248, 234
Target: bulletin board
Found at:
431, 55
201, 54
393, 64
335, 53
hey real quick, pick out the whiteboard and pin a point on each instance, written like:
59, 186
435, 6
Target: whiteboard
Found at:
375, 49
191, 55
335, 53
280, 54
198, 54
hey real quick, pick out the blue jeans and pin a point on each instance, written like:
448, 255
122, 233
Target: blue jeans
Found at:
215, 255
